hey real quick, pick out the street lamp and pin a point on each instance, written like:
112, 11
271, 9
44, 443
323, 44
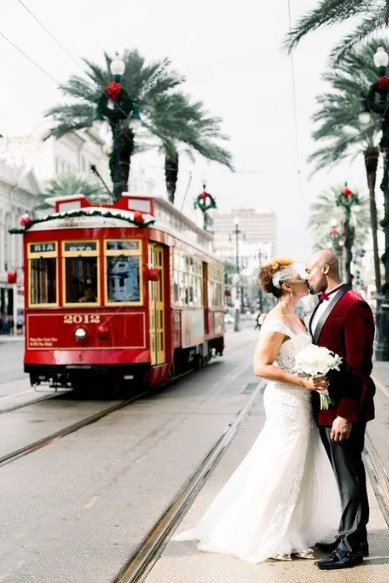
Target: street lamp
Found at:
122, 113
336, 241
239, 289
261, 256
380, 90
347, 199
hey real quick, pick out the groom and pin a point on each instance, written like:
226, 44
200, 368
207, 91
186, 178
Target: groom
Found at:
343, 323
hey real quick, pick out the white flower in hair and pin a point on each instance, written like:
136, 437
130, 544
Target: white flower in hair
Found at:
284, 275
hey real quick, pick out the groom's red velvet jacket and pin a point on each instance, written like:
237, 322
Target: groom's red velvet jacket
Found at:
349, 331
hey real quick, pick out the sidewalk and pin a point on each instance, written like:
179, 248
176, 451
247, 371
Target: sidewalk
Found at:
379, 428
6, 338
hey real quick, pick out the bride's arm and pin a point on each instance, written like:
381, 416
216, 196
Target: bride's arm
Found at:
265, 354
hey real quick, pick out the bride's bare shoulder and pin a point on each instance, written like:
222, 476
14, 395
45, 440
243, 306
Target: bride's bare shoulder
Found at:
273, 315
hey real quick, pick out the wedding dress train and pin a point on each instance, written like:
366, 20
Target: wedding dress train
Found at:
283, 497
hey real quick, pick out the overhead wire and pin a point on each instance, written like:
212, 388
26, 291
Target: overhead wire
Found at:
49, 75
74, 60
294, 100
50, 34
57, 42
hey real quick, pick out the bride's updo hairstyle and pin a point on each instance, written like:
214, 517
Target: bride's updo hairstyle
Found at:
274, 273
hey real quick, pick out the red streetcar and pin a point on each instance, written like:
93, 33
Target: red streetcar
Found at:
113, 293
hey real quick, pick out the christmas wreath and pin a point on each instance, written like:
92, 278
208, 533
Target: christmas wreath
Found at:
347, 198
122, 103
205, 201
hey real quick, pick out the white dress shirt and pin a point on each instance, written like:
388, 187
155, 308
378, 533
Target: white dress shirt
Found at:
321, 309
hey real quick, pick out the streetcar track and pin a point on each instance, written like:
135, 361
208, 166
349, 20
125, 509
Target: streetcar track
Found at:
148, 552
378, 477
40, 443
40, 400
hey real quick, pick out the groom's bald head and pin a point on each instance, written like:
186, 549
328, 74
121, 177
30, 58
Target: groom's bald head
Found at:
322, 268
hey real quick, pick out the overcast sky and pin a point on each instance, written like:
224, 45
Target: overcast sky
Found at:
230, 52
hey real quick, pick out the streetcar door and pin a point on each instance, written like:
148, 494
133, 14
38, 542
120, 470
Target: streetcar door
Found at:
156, 306
205, 297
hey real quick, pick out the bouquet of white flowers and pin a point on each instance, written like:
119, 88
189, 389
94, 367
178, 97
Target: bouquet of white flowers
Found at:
317, 361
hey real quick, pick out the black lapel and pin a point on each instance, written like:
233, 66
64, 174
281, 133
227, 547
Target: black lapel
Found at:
339, 294
313, 313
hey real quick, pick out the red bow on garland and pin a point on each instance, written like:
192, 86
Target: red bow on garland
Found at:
383, 83
114, 90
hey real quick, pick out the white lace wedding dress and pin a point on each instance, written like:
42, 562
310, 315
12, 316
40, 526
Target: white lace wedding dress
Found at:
283, 497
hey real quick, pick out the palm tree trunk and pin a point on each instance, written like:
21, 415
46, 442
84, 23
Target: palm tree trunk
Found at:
171, 175
123, 145
371, 155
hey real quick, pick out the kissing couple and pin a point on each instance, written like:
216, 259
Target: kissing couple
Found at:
303, 483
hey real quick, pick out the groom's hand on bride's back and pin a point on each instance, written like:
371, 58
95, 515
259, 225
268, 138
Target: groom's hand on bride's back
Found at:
341, 429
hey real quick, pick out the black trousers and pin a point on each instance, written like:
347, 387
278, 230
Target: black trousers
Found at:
346, 460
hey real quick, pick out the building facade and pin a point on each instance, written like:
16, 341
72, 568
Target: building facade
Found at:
257, 239
19, 187
75, 152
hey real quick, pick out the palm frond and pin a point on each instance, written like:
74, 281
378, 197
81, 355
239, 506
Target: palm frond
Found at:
337, 126
324, 210
370, 25
326, 13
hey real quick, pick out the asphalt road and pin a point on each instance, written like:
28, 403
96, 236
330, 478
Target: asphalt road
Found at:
75, 510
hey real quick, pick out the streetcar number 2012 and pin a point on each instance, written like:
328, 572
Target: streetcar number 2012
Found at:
81, 319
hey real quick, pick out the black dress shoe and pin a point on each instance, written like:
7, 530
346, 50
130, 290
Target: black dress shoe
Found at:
330, 547
340, 559
327, 547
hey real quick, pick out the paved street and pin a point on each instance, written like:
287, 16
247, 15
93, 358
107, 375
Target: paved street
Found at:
11, 361
76, 509
89, 499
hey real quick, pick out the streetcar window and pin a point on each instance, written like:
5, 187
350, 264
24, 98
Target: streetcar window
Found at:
123, 281
215, 287
188, 280
122, 271
81, 280
43, 277
122, 245
80, 272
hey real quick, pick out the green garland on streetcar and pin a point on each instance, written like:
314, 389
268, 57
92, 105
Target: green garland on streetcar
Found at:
27, 222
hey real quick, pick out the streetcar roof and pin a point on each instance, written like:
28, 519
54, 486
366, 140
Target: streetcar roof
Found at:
188, 236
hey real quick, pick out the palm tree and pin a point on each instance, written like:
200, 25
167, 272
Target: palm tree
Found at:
184, 126
69, 184
144, 81
373, 17
340, 130
325, 211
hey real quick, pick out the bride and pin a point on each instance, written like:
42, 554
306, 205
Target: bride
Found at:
283, 497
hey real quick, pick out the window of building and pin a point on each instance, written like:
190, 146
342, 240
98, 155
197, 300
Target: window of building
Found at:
123, 272
81, 272
42, 258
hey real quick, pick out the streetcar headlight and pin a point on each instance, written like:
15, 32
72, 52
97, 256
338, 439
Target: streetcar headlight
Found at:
80, 334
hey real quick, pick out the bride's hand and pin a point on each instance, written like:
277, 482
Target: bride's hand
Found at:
318, 384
